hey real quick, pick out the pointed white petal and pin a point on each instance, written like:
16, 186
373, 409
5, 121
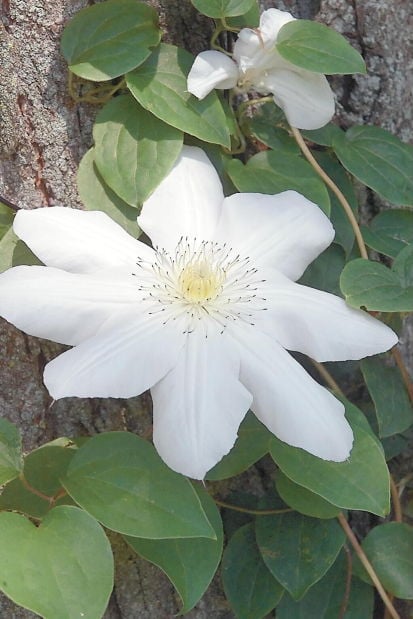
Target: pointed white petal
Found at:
285, 231
211, 70
271, 22
78, 241
63, 307
199, 405
322, 325
306, 98
289, 402
187, 202
126, 357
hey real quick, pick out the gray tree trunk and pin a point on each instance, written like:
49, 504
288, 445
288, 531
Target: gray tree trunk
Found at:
43, 136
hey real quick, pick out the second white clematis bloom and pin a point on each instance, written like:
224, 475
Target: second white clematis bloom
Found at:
202, 319
305, 97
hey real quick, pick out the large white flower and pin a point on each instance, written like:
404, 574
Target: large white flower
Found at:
305, 97
203, 318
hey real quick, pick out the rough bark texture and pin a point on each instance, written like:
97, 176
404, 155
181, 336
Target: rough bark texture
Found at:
42, 138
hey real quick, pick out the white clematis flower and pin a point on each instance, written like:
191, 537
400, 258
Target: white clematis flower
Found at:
202, 319
305, 97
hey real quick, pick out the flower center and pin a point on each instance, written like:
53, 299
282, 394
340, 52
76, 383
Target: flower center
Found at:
200, 282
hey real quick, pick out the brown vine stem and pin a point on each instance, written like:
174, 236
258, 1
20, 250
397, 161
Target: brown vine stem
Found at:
367, 565
397, 508
30, 488
330, 183
254, 512
403, 371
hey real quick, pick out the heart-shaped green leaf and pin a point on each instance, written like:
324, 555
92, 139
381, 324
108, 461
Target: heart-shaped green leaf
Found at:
134, 150
275, 171
249, 586
303, 500
298, 550
62, 569
315, 47
390, 231
372, 285
222, 8
120, 480
108, 39
160, 86
361, 482
190, 564
11, 462
379, 160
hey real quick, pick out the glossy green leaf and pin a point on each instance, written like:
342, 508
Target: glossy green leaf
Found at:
323, 136
62, 569
120, 480
251, 445
372, 285
298, 550
389, 548
11, 462
315, 47
325, 599
222, 8
108, 39
324, 273
14, 252
134, 150
303, 500
344, 231
190, 564
160, 86
272, 172
391, 400
250, 19
96, 195
249, 586
6, 218
379, 160
272, 136
390, 231
361, 482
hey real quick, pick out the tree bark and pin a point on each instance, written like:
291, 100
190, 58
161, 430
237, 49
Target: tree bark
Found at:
43, 136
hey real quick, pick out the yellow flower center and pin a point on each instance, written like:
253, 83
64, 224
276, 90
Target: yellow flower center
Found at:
199, 282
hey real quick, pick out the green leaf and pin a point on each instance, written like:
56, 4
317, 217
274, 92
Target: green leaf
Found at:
390, 231
361, 482
160, 86
249, 586
222, 8
14, 252
272, 136
134, 150
303, 500
315, 47
324, 600
97, 196
391, 400
339, 219
389, 548
11, 462
250, 19
190, 564
272, 172
6, 219
62, 569
323, 136
324, 273
372, 285
106, 40
251, 445
298, 550
120, 480
379, 160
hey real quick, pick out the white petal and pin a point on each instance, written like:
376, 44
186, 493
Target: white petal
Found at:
187, 202
211, 70
126, 357
78, 241
322, 325
199, 405
285, 231
306, 98
289, 402
63, 307
271, 22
